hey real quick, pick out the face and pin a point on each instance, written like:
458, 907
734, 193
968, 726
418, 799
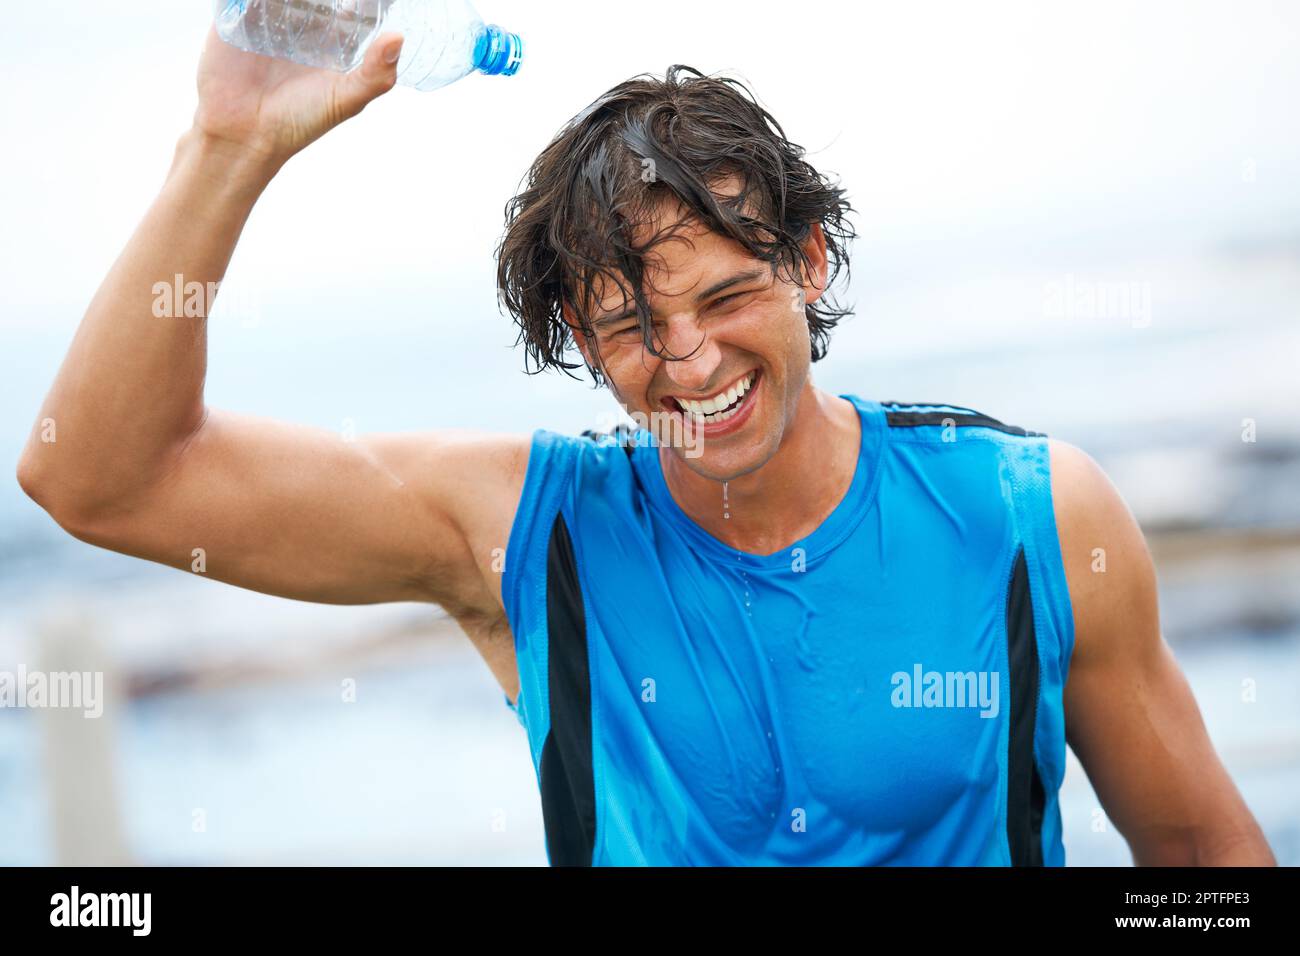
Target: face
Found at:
738, 346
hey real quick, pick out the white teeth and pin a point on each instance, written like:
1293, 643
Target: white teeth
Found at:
709, 410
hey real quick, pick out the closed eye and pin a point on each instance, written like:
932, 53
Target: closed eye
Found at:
735, 295
628, 331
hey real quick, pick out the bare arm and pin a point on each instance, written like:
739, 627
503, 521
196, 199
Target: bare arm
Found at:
1130, 714
141, 465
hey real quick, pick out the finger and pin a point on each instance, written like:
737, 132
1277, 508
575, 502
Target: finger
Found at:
376, 75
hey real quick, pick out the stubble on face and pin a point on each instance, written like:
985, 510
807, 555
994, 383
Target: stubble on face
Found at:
708, 344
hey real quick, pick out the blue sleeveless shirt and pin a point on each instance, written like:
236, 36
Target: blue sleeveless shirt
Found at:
886, 691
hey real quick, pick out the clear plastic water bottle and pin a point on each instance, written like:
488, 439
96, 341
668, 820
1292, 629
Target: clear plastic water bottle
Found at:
445, 39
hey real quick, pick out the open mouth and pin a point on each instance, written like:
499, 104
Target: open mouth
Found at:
720, 407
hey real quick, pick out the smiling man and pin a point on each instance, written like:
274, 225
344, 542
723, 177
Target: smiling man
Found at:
777, 626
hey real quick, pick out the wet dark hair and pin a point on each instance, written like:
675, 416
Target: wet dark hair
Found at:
604, 175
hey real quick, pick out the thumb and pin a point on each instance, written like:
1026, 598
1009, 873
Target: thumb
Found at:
376, 75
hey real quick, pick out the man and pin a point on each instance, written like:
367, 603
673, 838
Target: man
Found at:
795, 628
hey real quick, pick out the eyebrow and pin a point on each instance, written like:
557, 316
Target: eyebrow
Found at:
747, 276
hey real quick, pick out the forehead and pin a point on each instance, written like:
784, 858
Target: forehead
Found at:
690, 258
687, 255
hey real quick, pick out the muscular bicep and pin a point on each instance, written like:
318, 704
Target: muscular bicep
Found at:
1131, 717
305, 513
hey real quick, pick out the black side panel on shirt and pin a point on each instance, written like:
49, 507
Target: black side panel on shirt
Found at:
567, 786
1025, 795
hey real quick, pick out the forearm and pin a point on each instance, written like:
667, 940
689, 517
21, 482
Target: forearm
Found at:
130, 390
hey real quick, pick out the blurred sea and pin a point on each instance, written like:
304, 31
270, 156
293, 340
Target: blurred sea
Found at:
233, 699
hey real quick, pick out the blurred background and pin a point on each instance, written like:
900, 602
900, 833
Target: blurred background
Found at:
1080, 218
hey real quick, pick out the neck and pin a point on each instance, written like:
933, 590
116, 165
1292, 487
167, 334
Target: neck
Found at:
791, 494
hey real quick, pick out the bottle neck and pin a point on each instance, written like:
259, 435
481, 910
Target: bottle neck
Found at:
497, 52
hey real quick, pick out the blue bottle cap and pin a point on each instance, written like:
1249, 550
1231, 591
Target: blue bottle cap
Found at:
498, 53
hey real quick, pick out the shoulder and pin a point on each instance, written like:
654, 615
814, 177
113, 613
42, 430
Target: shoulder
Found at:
559, 459
1090, 512
980, 460
553, 457
570, 483
1108, 566
562, 469
945, 423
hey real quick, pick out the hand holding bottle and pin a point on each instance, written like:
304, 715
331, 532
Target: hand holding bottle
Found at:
267, 109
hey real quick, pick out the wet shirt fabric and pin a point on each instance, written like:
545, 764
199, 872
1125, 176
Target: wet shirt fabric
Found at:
886, 691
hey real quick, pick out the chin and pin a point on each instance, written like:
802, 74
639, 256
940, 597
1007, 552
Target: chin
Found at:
726, 464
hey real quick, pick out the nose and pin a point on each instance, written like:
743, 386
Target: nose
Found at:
691, 357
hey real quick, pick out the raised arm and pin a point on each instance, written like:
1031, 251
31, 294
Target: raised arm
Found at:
139, 464
1129, 713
